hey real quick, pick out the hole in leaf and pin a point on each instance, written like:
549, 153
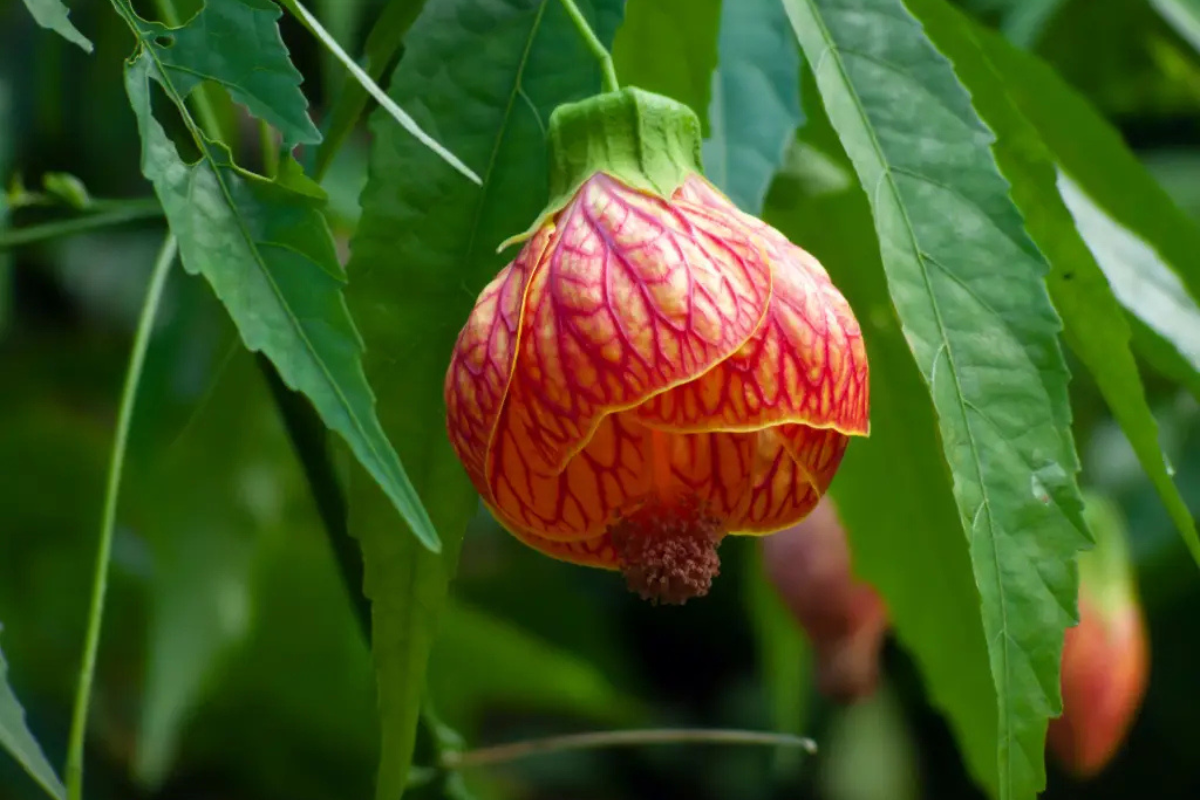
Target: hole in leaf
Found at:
164, 41
168, 116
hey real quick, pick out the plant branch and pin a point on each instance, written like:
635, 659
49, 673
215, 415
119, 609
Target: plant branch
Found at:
129, 212
137, 357
608, 71
503, 753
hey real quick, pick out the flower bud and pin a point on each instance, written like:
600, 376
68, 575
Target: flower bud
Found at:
844, 618
1106, 657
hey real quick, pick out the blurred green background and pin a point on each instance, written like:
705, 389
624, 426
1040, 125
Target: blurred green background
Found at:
232, 665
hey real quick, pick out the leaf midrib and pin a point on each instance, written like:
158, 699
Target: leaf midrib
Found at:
1005, 775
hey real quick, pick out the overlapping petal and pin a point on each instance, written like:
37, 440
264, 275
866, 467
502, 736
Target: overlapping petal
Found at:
806, 363
481, 365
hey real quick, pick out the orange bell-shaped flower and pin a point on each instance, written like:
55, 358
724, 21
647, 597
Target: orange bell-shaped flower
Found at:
655, 369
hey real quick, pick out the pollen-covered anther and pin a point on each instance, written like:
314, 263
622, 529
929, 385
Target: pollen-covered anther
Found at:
668, 553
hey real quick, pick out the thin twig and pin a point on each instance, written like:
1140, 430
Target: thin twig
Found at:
137, 357
131, 212
503, 753
607, 70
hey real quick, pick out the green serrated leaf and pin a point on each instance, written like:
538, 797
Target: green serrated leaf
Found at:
485, 74
19, 742
902, 524
670, 47
1094, 325
755, 106
53, 15
268, 254
236, 44
968, 287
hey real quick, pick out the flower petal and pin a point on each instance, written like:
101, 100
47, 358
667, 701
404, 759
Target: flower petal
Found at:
631, 298
793, 467
579, 502
481, 365
806, 364
594, 552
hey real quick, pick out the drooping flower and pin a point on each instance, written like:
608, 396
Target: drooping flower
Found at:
655, 369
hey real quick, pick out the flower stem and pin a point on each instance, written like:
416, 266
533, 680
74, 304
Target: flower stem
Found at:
608, 72
141, 342
130, 212
503, 753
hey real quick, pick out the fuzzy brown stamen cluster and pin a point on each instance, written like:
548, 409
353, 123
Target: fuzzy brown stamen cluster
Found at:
668, 555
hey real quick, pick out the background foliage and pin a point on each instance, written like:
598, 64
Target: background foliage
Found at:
1005, 190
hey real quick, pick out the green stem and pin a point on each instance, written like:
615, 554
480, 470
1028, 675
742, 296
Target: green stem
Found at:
200, 97
131, 212
141, 341
504, 753
608, 71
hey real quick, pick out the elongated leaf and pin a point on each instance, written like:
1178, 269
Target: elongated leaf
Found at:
968, 287
236, 44
1093, 154
485, 74
755, 105
383, 42
1184, 16
19, 742
270, 258
1141, 281
670, 47
902, 524
53, 15
400, 115
1095, 327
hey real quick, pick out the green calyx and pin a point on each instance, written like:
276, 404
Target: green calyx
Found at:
645, 140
